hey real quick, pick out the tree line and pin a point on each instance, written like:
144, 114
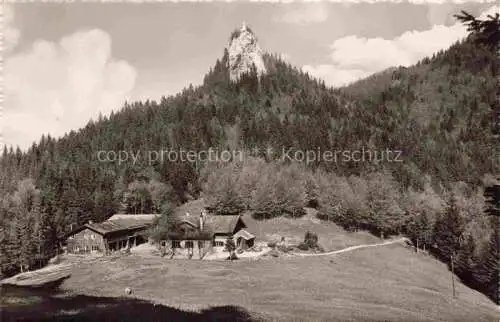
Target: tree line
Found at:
452, 224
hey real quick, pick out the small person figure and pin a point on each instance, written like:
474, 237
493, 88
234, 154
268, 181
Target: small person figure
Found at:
128, 291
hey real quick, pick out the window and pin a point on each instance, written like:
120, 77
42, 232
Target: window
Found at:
218, 243
95, 248
176, 244
189, 244
92, 236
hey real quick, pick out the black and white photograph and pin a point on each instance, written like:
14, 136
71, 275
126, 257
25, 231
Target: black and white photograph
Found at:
246, 160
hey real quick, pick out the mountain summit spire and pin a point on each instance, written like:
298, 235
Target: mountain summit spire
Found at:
244, 52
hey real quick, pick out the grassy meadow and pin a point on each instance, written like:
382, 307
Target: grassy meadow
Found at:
389, 283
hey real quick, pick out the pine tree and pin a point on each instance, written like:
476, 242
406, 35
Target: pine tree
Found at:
483, 31
465, 260
447, 231
27, 246
47, 236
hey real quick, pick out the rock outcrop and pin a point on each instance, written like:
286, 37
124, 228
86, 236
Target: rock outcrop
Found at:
244, 51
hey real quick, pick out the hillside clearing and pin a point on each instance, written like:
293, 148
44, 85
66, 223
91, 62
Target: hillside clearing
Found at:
331, 236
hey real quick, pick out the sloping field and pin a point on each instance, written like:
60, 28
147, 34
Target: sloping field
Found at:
387, 283
331, 236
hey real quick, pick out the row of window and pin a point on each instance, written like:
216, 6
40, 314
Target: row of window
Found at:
190, 244
86, 248
187, 244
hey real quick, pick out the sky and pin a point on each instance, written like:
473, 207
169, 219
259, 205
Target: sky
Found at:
66, 63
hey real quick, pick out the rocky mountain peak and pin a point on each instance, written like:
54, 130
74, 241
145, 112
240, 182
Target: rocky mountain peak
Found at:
244, 51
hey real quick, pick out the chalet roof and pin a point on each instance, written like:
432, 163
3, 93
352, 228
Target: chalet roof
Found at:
121, 222
115, 223
244, 234
138, 217
223, 224
189, 222
213, 223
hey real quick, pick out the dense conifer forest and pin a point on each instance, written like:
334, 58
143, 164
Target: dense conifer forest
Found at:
442, 113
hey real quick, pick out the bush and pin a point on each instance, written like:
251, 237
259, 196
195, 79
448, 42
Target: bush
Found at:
303, 246
284, 249
311, 240
272, 244
320, 249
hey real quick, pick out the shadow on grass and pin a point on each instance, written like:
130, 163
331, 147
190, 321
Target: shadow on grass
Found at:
88, 308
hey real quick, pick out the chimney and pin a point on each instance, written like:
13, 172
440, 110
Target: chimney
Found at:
201, 221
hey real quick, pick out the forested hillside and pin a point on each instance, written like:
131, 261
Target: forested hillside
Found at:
440, 113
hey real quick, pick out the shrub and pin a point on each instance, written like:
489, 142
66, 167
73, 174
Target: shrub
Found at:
230, 246
311, 240
271, 244
284, 249
303, 246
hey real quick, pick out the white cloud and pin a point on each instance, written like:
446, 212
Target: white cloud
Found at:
56, 87
305, 14
356, 57
334, 75
10, 35
490, 12
353, 57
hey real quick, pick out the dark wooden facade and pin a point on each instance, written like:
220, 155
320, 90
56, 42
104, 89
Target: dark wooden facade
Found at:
85, 241
117, 233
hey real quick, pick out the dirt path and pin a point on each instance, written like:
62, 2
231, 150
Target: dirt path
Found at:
348, 249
